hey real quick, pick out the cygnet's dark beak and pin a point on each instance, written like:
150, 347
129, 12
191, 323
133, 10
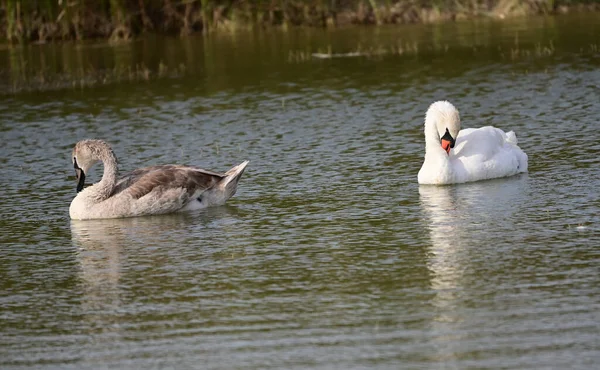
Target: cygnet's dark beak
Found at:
79, 174
447, 141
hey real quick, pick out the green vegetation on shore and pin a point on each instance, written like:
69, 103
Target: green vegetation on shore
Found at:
48, 20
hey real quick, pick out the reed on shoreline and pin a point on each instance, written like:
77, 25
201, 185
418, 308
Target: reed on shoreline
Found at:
118, 20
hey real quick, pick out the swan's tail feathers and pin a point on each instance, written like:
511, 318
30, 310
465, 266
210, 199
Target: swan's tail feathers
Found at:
523, 162
511, 137
229, 183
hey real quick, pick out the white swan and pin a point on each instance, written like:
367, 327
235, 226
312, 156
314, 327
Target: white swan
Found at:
145, 191
478, 154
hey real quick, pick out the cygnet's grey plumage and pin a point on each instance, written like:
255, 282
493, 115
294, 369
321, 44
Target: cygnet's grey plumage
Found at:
145, 191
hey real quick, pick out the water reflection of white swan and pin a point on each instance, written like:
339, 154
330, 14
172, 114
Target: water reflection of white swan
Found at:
463, 222
447, 243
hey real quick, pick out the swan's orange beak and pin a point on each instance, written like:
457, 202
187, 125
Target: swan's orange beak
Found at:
446, 145
447, 142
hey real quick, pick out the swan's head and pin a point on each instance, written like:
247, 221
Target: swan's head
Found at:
443, 118
85, 154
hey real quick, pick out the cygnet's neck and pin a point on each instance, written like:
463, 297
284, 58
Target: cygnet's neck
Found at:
103, 189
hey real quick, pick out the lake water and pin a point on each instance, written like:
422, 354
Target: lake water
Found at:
330, 255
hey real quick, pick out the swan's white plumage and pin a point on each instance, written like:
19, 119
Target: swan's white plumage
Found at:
478, 154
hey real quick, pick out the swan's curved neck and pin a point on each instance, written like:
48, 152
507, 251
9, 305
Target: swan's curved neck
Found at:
433, 146
104, 188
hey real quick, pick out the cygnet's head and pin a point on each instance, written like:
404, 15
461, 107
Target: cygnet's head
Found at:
445, 119
85, 154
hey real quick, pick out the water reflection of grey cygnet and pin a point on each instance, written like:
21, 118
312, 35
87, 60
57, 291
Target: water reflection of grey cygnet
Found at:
104, 247
467, 227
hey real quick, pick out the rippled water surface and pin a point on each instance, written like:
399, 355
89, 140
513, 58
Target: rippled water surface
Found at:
330, 255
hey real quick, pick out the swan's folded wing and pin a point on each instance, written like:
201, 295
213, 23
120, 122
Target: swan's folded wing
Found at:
160, 179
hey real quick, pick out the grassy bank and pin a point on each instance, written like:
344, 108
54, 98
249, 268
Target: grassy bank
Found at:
116, 20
